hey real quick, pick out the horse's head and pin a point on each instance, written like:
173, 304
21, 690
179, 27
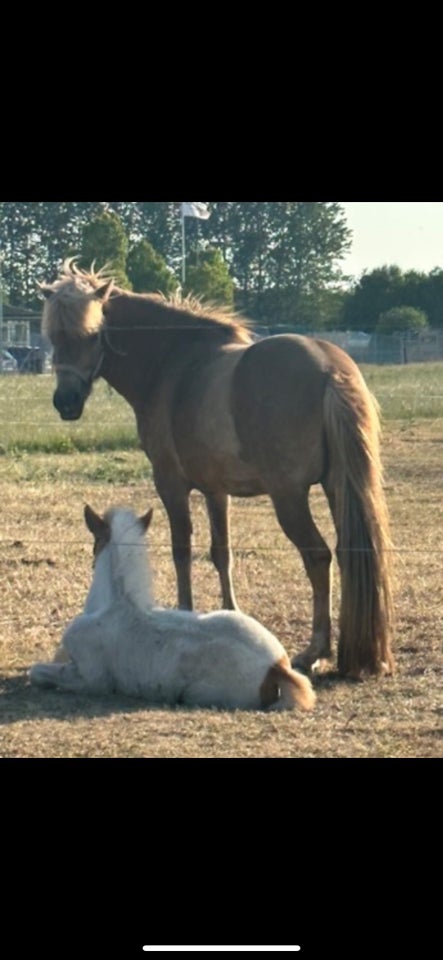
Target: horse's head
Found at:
73, 321
77, 364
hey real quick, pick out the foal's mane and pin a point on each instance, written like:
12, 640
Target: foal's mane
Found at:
128, 554
75, 308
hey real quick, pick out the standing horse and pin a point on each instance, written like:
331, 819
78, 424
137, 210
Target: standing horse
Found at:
223, 414
122, 643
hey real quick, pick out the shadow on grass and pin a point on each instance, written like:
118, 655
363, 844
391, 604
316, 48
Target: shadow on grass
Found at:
20, 700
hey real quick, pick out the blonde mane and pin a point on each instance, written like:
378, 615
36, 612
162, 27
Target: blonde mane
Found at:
204, 310
75, 306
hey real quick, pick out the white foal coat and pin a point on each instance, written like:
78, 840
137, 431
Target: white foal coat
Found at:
122, 643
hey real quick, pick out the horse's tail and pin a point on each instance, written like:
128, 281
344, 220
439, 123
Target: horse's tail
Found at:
364, 550
285, 688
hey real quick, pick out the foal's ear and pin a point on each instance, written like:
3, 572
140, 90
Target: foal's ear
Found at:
103, 293
94, 523
146, 520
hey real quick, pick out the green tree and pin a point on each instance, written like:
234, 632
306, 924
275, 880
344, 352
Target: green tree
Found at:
374, 294
402, 320
309, 240
208, 276
20, 245
387, 287
61, 228
280, 253
147, 270
104, 241
431, 296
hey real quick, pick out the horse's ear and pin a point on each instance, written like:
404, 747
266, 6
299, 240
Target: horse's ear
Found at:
103, 293
94, 523
146, 519
46, 291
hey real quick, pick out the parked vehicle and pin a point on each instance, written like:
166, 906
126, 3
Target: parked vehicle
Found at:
27, 359
8, 363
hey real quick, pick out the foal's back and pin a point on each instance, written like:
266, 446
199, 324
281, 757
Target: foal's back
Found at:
223, 659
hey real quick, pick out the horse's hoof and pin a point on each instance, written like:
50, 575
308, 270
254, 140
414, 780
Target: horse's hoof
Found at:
322, 665
302, 664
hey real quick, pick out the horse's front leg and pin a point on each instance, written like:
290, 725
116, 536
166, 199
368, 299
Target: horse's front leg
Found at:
176, 502
221, 555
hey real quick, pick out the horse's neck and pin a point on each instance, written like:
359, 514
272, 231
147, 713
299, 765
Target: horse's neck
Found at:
133, 351
145, 343
120, 572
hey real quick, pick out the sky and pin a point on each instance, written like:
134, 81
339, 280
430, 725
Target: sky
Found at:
407, 234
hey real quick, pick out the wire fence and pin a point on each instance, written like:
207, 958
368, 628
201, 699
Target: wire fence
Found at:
375, 348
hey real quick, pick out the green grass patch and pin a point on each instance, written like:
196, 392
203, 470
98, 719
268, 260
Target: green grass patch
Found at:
126, 468
29, 423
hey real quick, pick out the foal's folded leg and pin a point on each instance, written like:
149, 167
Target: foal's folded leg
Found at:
65, 676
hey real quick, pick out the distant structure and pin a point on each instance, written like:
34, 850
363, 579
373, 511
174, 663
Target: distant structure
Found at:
20, 335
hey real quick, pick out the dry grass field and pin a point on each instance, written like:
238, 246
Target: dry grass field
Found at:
48, 470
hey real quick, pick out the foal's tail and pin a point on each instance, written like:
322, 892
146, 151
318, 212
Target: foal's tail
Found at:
294, 688
354, 487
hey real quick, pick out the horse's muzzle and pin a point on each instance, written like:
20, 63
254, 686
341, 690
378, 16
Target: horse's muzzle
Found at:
69, 404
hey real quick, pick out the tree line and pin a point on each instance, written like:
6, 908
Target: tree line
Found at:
278, 262
273, 254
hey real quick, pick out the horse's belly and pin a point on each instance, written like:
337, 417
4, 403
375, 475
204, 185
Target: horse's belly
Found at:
225, 474
238, 486
211, 457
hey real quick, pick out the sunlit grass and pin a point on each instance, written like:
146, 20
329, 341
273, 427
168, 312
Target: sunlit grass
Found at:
46, 570
30, 424
45, 573
413, 391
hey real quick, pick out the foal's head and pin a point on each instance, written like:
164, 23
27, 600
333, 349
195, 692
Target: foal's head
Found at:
101, 527
73, 321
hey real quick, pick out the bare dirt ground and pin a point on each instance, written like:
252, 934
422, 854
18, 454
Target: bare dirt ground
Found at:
45, 572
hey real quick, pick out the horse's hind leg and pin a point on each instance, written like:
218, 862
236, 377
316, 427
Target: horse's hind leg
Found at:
221, 556
295, 519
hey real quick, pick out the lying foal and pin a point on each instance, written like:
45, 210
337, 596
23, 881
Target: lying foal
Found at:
123, 643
